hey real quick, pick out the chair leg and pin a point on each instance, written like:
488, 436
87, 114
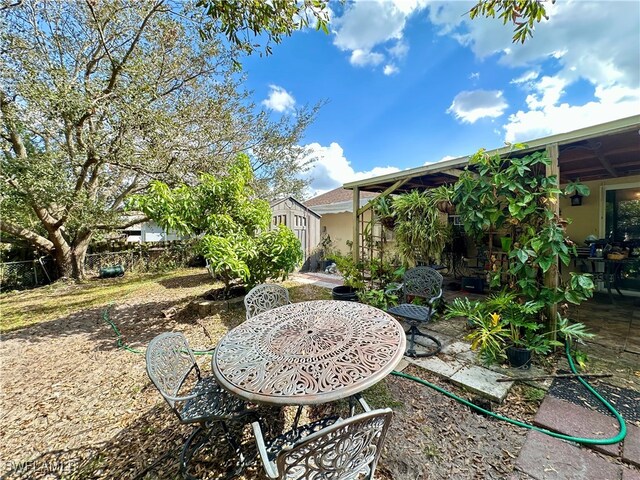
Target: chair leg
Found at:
296, 420
195, 442
411, 351
203, 436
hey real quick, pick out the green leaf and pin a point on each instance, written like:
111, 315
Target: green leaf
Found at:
506, 243
545, 263
522, 256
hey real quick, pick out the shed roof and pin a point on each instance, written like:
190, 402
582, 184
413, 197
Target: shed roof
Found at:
300, 204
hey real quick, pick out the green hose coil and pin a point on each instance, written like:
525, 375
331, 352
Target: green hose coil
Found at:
585, 441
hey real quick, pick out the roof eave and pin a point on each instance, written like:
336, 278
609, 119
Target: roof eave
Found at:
608, 128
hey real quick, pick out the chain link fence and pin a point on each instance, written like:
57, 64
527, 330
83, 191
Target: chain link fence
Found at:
144, 258
26, 274
131, 261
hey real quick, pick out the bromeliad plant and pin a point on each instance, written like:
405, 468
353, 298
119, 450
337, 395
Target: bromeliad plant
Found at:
503, 320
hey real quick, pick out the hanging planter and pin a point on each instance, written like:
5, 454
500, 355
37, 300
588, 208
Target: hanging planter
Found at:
445, 206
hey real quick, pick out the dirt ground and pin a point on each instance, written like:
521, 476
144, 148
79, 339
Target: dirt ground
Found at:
74, 405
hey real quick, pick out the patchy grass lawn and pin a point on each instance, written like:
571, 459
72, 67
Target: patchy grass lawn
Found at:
24, 308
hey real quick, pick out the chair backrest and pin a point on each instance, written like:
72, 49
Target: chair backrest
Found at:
264, 297
422, 282
342, 451
169, 362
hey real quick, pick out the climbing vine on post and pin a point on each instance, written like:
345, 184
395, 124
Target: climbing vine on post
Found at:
512, 196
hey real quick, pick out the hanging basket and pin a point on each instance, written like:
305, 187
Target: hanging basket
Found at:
388, 222
445, 206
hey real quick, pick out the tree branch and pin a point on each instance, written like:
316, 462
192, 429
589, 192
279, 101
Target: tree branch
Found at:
33, 238
104, 226
9, 121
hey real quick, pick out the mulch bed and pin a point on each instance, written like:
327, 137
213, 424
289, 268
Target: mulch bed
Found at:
75, 405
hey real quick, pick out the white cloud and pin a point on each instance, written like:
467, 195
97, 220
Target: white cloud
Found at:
368, 24
362, 58
582, 40
610, 104
399, 50
279, 99
332, 169
549, 91
474, 76
526, 77
390, 69
470, 106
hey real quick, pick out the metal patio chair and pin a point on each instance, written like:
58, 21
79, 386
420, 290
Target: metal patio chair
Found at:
424, 283
170, 362
264, 297
330, 449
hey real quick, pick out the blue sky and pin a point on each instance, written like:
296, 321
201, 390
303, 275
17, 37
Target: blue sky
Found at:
415, 81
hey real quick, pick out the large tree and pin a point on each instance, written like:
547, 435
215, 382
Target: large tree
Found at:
99, 98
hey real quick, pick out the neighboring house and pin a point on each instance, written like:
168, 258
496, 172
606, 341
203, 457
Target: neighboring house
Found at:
149, 231
336, 208
304, 222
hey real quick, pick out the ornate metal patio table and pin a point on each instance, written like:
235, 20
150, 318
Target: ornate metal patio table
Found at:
309, 353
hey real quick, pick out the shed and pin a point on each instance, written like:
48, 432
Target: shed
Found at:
304, 222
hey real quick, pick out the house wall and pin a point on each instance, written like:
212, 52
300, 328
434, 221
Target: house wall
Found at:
588, 218
339, 226
150, 231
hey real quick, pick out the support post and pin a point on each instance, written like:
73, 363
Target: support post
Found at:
356, 224
551, 279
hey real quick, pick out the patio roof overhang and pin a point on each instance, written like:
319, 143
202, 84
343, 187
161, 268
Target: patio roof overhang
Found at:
607, 150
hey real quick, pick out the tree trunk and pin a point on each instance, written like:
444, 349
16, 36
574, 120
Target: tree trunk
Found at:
70, 258
79, 253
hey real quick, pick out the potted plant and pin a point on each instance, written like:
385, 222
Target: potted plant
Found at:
516, 197
383, 209
506, 328
443, 199
352, 276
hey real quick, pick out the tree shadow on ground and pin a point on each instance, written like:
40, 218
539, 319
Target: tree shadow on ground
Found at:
138, 323
189, 282
149, 448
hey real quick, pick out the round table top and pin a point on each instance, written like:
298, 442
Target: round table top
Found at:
309, 353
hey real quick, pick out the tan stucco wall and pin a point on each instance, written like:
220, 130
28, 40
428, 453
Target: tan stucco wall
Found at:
339, 226
588, 217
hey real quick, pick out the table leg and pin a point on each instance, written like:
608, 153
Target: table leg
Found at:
617, 276
607, 278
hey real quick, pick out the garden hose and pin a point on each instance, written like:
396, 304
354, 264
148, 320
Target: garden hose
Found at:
585, 441
123, 346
